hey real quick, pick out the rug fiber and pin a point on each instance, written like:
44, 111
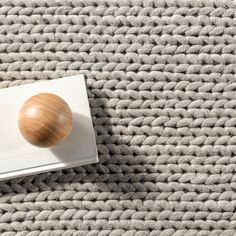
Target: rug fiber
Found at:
162, 91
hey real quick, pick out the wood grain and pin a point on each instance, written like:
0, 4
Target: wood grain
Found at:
45, 120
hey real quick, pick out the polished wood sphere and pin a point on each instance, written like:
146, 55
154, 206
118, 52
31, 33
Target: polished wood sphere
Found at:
45, 120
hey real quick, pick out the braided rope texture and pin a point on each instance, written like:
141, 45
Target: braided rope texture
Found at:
162, 90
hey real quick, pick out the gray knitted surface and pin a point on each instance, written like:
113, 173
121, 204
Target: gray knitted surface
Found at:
162, 90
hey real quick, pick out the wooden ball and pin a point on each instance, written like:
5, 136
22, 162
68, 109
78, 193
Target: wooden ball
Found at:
45, 120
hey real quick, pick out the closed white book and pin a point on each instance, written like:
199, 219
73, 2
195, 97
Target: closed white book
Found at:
20, 158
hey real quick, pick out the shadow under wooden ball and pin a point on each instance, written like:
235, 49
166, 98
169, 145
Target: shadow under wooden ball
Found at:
45, 120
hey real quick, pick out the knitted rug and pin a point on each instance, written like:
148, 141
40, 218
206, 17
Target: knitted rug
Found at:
162, 90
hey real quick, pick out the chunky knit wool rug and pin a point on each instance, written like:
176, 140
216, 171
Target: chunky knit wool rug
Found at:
162, 90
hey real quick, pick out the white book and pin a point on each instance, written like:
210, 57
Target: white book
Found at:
20, 158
